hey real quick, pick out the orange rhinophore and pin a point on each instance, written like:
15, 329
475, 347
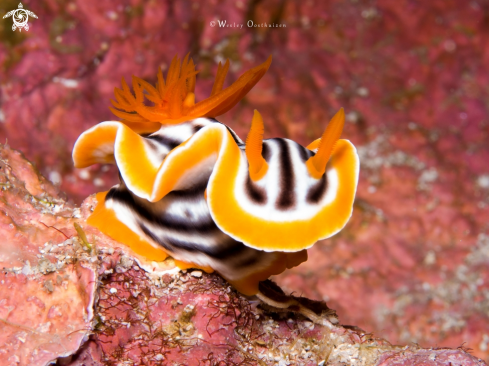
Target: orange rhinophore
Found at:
254, 148
192, 189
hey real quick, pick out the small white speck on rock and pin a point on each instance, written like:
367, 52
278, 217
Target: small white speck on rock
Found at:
197, 274
98, 182
363, 92
483, 181
352, 117
84, 174
113, 290
449, 45
55, 177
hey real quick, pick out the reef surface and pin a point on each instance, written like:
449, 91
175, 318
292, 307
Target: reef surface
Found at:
411, 76
70, 294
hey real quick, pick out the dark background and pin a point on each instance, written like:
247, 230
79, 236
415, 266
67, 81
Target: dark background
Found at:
413, 263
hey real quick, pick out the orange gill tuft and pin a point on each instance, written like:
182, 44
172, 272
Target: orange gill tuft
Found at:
174, 99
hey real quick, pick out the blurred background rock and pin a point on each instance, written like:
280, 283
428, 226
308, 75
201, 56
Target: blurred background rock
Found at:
413, 263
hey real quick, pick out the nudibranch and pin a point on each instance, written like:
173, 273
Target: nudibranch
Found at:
192, 189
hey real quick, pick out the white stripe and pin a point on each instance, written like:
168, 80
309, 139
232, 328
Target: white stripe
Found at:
302, 210
225, 267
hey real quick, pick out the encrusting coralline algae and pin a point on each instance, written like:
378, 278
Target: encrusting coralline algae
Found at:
59, 299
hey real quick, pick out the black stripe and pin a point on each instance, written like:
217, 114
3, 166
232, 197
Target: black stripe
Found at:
286, 198
193, 192
233, 134
265, 152
113, 191
165, 221
316, 192
153, 237
247, 262
255, 193
223, 251
304, 153
232, 250
168, 142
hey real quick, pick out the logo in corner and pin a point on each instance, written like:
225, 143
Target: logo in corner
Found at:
20, 17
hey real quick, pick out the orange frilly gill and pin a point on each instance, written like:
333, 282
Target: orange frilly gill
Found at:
190, 188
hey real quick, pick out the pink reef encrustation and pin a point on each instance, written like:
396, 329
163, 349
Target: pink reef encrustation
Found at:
411, 266
70, 294
48, 281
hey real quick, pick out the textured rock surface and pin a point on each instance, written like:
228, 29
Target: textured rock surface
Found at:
411, 76
47, 280
59, 285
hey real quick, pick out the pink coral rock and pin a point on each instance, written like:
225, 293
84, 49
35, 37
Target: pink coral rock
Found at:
73, 295
47, 281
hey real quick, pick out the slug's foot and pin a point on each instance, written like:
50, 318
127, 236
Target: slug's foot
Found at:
275, 300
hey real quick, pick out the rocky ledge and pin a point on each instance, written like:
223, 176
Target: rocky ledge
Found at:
71, 295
